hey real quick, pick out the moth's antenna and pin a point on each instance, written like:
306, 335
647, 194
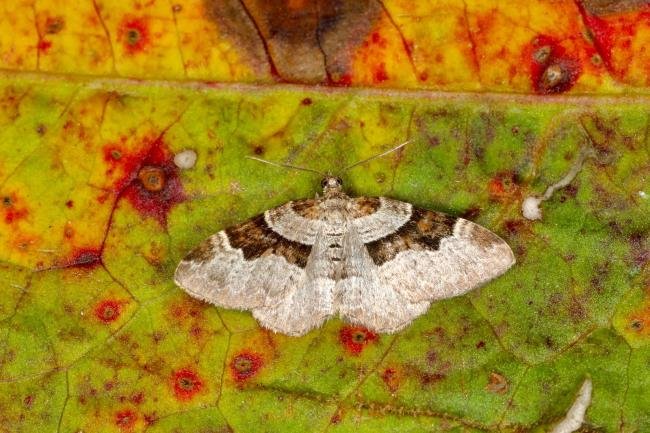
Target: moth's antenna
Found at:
399, 146
280, 164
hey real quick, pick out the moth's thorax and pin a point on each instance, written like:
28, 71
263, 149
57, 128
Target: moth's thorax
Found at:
334, 208
335, 215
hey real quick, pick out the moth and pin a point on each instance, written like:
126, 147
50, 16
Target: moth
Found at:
374, 261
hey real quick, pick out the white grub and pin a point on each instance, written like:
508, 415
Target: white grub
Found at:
576, 414
185, 159
530, 206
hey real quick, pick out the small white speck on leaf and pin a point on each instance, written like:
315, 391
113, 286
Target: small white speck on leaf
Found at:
185, 159
575, 416
643, 194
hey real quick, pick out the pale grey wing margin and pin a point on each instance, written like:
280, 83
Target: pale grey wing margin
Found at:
225, 278
387, 219
468, 257
307, 301
363, 297
249, 265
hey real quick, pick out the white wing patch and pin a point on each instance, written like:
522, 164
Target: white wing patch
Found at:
390, 216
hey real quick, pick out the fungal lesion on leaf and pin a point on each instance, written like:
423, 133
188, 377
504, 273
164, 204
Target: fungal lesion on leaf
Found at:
54, 25
132, 36
152, 178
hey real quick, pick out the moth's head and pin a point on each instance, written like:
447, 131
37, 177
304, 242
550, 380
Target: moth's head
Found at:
331, 184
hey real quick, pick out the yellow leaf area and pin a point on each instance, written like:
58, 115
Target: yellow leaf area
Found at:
582, 46
97, 209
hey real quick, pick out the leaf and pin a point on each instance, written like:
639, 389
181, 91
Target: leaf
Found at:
95, 213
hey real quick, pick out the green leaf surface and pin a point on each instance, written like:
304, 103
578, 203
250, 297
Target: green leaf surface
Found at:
95, 336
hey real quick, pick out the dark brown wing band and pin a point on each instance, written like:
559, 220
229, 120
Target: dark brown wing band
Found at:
423, 231
256, 239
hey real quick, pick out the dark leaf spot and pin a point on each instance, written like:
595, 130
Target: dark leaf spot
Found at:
355, 338
108, 311
125, 419
186, 384
245, 365
54, 25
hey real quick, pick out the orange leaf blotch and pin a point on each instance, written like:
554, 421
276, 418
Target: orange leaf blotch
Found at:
355, 338
245, 365
186, 384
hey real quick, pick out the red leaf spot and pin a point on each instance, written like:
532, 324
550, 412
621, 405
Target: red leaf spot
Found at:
152, 178
502, 185
377, 39
12, 209
343, 80
605, 33
480, 344
306, 101
639, 249
126, 419
85, 258
54, 25
379, 74
336, 418
553, 70
134, 35
137, 398
186, 384
355, 338
150, 419
639, 320
28, 401
108, 310
196, 331
391, 377
431, 378
158, 187
69, 204
147, 178
245, 365
44, 45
